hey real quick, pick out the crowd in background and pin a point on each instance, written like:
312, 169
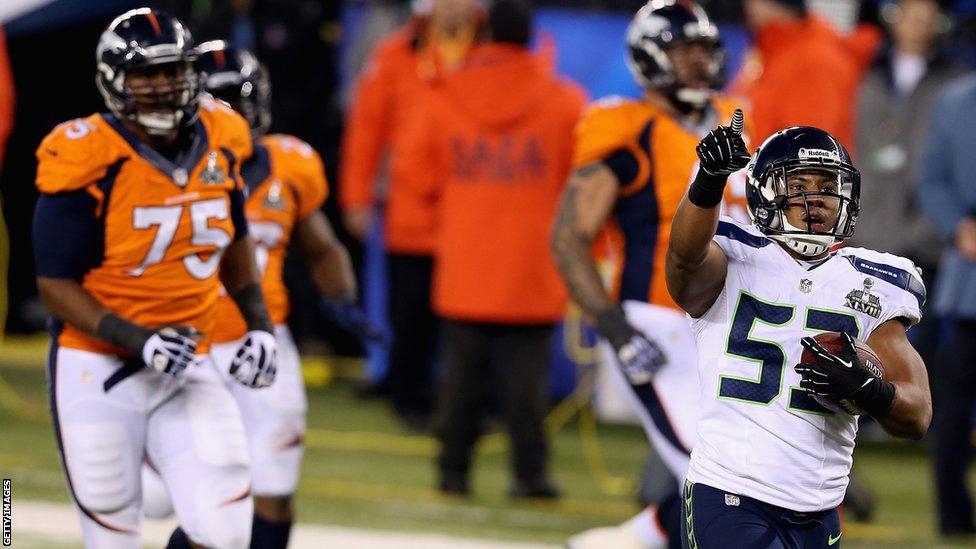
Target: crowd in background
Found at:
471, 283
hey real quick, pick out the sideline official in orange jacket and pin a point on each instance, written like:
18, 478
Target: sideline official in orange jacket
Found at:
806, 73
498, 149
434, 42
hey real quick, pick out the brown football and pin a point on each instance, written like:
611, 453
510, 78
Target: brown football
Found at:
834, 343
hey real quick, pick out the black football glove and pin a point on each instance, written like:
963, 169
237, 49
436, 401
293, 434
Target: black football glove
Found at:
640, 357
722, 152
845, 379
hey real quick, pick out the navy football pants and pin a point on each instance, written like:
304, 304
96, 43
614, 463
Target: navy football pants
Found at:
714, 519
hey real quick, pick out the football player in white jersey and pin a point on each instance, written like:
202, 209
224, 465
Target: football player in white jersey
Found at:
772, 463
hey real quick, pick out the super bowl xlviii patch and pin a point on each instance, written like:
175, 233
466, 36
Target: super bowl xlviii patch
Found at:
212, 174
274, 200
864, 301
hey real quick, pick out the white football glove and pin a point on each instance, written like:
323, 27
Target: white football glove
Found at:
254, 365
169, 350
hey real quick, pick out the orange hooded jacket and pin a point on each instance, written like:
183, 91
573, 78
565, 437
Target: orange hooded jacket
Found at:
497, 150
401, 66
7, 98
808, 75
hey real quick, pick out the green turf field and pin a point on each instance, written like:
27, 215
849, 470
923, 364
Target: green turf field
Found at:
362, 470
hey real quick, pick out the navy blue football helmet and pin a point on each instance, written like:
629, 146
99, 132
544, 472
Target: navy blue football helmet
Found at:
798, 149
234, 75
156, 45
659, 26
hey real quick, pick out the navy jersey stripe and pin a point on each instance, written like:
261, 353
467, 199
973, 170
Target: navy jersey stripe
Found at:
893, 275
734, 232
652, 403
256, 169
639, 220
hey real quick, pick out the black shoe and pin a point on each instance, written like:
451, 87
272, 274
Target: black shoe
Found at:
538, 488
455, 485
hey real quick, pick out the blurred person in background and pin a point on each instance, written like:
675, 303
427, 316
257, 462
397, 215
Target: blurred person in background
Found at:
633, 162
7, 100
435, 41
894, 112
496, 145
793, 46
947, 195
286, 186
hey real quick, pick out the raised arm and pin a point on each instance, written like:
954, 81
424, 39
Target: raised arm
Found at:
695, 267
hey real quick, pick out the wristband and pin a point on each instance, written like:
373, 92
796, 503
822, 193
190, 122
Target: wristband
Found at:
706, 190
250, 301
612, 323
122, 333
875, 398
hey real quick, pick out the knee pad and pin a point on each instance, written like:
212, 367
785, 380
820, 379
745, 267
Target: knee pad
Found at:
276, 455
223, 510
100, 464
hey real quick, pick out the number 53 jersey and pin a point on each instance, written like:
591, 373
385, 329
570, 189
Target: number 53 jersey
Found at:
759, 434
143, 233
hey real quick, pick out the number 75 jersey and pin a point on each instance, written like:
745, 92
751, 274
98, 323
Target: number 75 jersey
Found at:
759, 434
156, 227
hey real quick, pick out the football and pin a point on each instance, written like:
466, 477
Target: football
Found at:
834, 343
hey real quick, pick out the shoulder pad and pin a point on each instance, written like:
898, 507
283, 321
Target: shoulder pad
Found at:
609, 124
893, 269
76, 154
225, 128
298, 163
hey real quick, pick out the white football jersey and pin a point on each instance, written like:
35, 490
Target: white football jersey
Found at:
759, 434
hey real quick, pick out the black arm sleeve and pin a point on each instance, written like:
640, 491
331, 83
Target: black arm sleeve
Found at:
250, 301
68, 239
237, 215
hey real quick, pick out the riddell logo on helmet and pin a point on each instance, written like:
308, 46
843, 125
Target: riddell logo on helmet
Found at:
819, 153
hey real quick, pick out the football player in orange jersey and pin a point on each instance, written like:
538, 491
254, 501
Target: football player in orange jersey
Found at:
287, 187
634, 160
139, 223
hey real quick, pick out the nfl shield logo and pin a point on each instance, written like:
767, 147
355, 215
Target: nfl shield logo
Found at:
806, 285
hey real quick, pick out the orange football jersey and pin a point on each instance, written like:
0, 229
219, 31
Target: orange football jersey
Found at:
166, 224
666, 163
286, 183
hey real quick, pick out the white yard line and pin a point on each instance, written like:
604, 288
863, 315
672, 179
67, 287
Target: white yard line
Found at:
59, 523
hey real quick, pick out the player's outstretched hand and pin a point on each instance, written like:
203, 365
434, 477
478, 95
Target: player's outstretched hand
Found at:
723, 152
170, 349
254, 364
350, 317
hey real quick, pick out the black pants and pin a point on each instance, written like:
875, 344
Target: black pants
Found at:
952, 423
415, 332
478, 357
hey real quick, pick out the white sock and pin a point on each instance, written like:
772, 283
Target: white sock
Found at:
647, 527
